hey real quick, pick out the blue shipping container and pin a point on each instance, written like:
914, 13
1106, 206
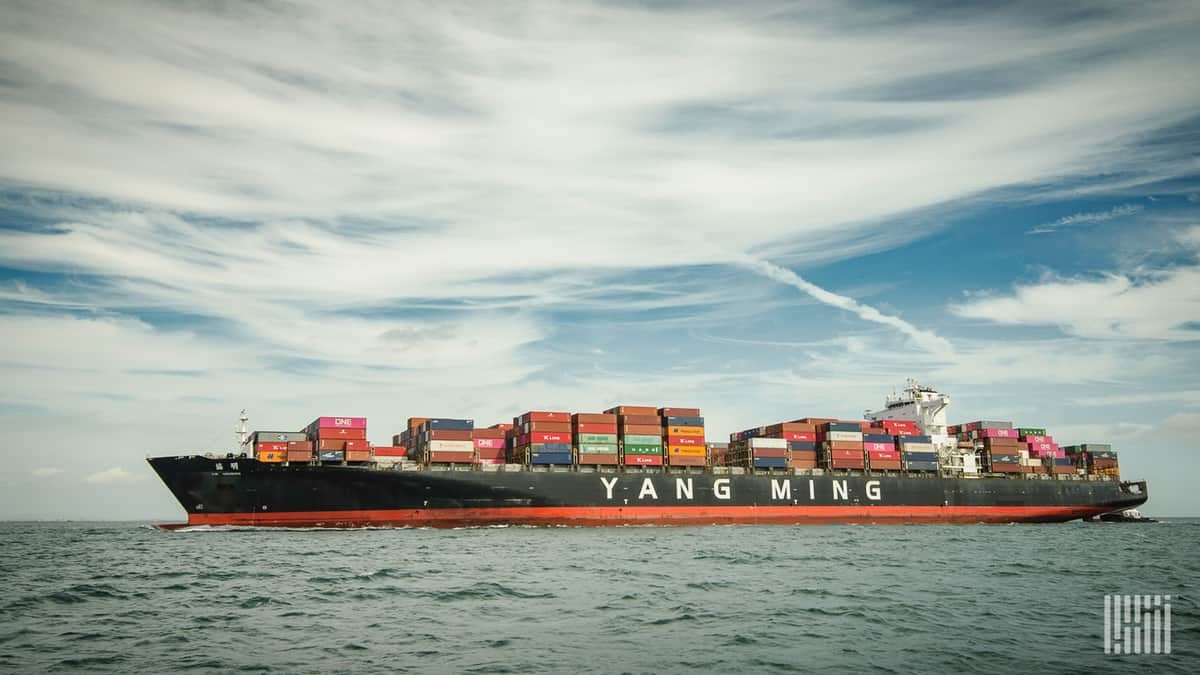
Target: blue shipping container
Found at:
445, 424
1005, 459
920, 456
802, 445
878, 438
332, 455
843, 426
550, 458
684, 421
550, 447
770, 462
913, 439
921, 466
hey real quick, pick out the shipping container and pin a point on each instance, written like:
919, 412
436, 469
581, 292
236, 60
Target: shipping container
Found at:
451, 456
449, 435
687, 460
883, 464
855, 436
557, 458
845, 427
594, 418
686, 431
603, 439
357, 446
343, 422
801, 445
273, 456
358, 455
641, 430
331, 445
279, 446
805, 436
1031, 431
331, 455
339, 433
552, 448
642, 439
596, 428
683, 421
685, 440
542, 427
490, 443
642, 449
843, 445
678, 412
598, 459
545, 416
277, 436
770, 452
688, 451
642, 460
846, 454
768, 443
445, 423
451, 446
550, 437
598, 449
394, 451
300, 456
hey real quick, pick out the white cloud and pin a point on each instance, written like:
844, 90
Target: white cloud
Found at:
1087, 218
46, 471
115, 474
1160, 306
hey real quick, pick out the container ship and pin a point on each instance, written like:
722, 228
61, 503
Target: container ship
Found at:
645, 465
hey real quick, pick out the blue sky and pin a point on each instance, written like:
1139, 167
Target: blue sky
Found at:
769, 211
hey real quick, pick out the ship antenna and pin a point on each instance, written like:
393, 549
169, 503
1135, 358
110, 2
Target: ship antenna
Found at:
242, 433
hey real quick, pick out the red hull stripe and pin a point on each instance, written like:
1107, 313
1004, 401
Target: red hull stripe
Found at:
649, 515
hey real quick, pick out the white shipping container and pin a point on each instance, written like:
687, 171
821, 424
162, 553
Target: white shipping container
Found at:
918, 447
757, 442
845, 436
452, 446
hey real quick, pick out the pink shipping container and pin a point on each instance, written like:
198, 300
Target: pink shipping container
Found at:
1038, 439
344, 422
879, 447
490, 443
490, 462
997, 433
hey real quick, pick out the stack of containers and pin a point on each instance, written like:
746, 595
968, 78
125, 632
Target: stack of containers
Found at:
340, 439
718, 454
801, 438
544, 438
683, 436
917, 453
1000, 445
409, 437
276, 446
491, 444
1043, 451
901, 428
842, 445
1097, 459
444, 440
389, 454
595, 438
639, 434
752, 449
881, 451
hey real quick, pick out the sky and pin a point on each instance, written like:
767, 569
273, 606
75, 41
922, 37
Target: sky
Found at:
768, 211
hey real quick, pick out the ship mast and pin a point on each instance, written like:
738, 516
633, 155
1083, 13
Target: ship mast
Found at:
242, 433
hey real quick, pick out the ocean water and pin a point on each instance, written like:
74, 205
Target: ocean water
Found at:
121, 597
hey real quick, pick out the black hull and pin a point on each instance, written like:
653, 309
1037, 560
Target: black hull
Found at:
242, 491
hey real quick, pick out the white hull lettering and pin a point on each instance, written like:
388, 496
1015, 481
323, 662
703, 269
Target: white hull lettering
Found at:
781, 489
647, 489
873, 490
608, 487
721, 488
840, 491
683, 488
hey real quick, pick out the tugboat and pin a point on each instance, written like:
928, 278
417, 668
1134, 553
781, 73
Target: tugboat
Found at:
1125, 516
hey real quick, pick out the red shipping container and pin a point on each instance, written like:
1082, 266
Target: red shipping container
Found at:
545, 416
644, 460
552, 437
678, 412
449, 435
807, 436
783, 427
685, 440
336, 433
299, 455
490, 432
491, 443
273, 446
903, 432
885, 464
805, 455
451, 457
357, 446
490, 453
879, 447
678, 460
591, 458
848, 464
300, 446
330, 444
846, 454
531, 427
391, 452
594, 418
641, 420
358, 455
1006, 468
640, 430
883, 456
802, 464
594, 428
343, 422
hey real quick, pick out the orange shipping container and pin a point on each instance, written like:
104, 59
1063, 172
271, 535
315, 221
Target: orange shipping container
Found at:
589, 458
684, 460
358, 455
633, 410
687, 451
300, 446
299, 455
594, 418
414, 422
272, 456
844, 445
685, 431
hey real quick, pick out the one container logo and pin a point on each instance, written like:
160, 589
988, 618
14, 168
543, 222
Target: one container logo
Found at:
1137, 624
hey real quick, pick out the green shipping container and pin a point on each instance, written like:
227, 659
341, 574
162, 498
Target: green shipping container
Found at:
599, 449
1031, 431
643, 449
642, 439
601, 439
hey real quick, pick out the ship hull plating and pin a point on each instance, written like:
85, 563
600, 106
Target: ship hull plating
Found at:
245, 492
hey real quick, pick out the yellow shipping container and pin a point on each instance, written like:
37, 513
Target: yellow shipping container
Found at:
272, 456
685, 431
687, 451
